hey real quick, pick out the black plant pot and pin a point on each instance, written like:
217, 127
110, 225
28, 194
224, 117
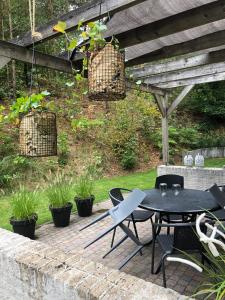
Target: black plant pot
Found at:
84, 206
61, 215
25, 227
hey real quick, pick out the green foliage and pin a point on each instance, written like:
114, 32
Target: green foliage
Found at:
84, 186
60, 191
63, 149
180, 138
82, 126
12, 168
211, 139
24, 204
25, 104
7, 144
208, 99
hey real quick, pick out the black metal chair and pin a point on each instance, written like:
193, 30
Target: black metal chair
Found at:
171, 179
218, 192
184, 238
139, 215
118, 215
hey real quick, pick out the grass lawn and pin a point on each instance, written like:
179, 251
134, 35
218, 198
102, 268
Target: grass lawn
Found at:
214, 162
102, 186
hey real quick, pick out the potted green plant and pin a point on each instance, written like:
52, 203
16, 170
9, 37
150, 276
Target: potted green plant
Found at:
59, 195
24, 217
84, 198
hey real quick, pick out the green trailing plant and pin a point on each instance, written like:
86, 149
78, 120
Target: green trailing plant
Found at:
26, 104
92, 33
24, 204
59, 193
84, 187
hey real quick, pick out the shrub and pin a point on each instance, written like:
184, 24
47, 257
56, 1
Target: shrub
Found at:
13, 167
60, 191
63, 149
24, 204
81, 127
208, 99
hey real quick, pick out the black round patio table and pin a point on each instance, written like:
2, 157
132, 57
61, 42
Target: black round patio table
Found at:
188, 201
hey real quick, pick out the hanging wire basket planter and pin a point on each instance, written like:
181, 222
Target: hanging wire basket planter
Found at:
106, 74
38, 134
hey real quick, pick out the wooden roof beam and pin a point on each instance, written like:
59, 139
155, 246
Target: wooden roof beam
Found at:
186, 73
179, 64
191, 81
87, 12
176, 23
205, 42
12, 51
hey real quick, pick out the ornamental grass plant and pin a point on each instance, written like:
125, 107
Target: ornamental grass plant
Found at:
84, 187
24, 204
60, 192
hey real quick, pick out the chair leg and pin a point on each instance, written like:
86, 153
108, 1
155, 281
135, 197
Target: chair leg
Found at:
168, 228
153, 255
113, 237
164, 270
136, 233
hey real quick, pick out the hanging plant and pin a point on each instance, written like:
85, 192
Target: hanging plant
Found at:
37, 126
103, 60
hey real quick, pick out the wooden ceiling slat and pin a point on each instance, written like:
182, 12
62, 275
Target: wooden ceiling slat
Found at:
179, 63
87, 12
202, 43
195, 80
195, 17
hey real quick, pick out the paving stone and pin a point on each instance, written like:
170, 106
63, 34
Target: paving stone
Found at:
72, 241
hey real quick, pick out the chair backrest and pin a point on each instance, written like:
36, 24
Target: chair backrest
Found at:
218, 195
116, 195
127, 206
186, 238
170, 179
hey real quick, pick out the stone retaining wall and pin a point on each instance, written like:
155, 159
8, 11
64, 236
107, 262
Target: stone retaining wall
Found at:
195, 178
32, 270
207, 152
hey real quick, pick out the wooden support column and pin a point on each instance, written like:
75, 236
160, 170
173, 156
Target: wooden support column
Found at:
165, 131
162, 102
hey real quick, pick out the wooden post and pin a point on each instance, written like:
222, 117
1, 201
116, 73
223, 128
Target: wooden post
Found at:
165, 131
162, 102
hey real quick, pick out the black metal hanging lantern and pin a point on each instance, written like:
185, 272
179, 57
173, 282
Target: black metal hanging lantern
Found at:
38, 134
106, 74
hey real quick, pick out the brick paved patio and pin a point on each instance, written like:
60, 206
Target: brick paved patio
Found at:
180, 277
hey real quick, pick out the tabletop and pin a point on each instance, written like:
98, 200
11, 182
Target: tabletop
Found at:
187, 201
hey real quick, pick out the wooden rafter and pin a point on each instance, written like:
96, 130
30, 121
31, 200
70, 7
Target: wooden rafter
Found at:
186, 73
176, 23
179, 98
179, 63
195, 80
12, 51
205, 42
146, 88
3, 61
87, 12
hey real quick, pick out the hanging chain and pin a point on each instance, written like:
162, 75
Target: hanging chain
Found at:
33, 34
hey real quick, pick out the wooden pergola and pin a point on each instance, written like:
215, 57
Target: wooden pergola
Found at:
168, 44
